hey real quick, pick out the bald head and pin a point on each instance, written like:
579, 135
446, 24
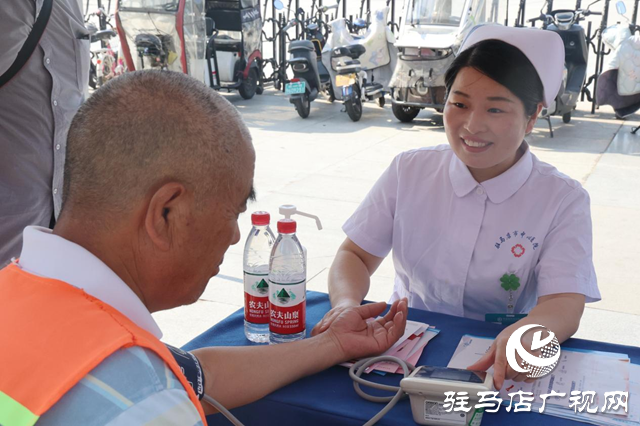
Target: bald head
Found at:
145, 129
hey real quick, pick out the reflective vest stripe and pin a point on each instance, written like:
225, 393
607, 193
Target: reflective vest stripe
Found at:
12, 413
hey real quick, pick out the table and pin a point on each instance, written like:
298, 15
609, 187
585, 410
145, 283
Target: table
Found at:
328, 398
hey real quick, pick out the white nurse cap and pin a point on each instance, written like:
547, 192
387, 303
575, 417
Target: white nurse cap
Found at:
544, 49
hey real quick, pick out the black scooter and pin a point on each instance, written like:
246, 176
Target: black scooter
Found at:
565, 23
310, 76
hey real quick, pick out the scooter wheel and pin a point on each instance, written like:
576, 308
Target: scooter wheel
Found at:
259, 90
93, 80
249, 86
566, 118
354, 105
303, 106
404, 113
380, 101
330, 93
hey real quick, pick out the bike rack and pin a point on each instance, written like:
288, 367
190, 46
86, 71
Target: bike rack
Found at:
599, 50
279, 40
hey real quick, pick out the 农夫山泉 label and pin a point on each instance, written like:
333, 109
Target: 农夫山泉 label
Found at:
256, 298
288, 307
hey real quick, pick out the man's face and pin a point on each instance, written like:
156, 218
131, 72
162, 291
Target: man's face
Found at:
214, 228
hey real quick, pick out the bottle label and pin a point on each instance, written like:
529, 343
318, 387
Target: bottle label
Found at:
288, 307
256, 298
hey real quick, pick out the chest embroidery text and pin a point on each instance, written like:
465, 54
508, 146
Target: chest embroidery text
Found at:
511, 238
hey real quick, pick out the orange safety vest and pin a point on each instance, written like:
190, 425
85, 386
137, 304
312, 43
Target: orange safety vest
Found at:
51, 335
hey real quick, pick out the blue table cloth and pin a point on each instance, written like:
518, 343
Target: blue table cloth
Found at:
328, 398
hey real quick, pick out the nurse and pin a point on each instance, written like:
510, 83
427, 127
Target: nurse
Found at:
480, 228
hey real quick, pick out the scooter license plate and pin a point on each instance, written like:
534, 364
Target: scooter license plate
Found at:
345, 80
294, 88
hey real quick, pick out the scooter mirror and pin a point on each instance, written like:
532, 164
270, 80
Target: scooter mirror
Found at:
278, 4
211, 25
621, 8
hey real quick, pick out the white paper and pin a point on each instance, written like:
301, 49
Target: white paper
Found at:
576, 370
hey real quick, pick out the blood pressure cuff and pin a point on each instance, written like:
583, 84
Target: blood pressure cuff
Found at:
190, 367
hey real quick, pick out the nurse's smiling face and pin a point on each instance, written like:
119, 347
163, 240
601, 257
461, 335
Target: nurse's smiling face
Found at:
485, 124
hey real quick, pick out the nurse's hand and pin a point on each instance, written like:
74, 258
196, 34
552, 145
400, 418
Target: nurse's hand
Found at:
357, 332
496, 356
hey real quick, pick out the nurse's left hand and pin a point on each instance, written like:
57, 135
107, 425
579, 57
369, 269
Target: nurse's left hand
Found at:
496, 356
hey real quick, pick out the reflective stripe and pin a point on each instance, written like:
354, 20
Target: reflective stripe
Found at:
12, 413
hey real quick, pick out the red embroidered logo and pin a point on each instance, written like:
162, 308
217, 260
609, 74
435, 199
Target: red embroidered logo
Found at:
517, 250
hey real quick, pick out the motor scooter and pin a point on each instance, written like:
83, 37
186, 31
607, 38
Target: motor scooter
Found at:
566, 23
617, 85
310, 76
360, 67
216, 41
428, 40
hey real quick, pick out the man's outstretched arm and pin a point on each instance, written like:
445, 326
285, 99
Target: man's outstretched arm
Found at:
239, 375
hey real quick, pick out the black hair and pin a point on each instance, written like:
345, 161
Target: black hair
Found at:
506, 65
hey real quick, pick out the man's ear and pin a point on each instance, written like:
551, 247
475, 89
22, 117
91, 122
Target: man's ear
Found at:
533, 119
165, 211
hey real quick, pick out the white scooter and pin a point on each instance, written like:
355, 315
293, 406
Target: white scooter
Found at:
619, 83
428, 40
361, 67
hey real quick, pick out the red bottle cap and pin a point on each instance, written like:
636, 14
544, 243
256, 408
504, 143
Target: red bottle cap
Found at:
260, 218
286, 226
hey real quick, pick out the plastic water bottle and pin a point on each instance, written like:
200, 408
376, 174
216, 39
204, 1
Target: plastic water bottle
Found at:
257, 251
287, 286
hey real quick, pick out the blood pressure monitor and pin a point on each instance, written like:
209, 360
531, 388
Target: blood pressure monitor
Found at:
426, 386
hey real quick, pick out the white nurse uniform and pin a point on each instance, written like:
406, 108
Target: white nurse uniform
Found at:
454, 238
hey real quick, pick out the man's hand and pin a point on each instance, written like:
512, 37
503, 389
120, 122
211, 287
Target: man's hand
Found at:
331, 316
356, 334
496, 356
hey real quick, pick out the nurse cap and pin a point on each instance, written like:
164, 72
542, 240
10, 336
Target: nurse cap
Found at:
544, 49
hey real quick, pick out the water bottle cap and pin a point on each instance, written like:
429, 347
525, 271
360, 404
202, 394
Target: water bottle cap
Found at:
286, 226
260, 218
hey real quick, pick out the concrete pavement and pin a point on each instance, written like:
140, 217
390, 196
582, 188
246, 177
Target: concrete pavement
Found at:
326, 164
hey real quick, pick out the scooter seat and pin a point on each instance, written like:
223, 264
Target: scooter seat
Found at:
353, 51
354, 67
301, 44
372, 87
102, 35
225, 43
148, 42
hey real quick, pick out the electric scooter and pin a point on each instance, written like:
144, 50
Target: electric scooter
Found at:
428, 41
310, 76
565, 23
361, 66
617, 85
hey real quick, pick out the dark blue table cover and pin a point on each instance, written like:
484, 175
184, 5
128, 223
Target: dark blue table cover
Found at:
328, 398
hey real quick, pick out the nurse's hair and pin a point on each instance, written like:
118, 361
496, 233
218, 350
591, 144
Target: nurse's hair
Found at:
506, 65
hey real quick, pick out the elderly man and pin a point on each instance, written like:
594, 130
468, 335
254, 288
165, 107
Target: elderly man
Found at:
152, 196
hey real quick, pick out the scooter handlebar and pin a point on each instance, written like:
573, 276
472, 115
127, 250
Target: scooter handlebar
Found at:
542, 17
324, 9
289, 25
